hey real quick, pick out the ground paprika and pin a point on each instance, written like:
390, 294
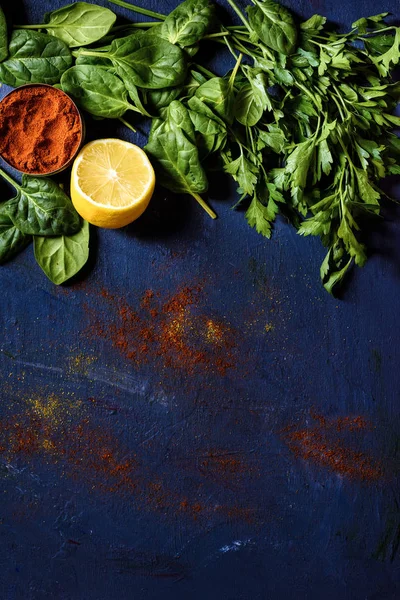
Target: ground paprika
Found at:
40, 129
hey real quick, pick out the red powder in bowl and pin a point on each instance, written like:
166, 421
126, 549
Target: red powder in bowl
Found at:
40, 129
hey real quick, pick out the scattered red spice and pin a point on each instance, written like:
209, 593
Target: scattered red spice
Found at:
61, 433
40, 129
322, 445
171, 332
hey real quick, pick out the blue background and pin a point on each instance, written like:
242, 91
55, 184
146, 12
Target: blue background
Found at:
143, 481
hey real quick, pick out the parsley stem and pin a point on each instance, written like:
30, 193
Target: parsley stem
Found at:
138, 9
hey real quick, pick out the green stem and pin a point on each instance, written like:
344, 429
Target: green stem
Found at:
9, 179
203, 70
378, 32
231, 50
308, 93
143, 25
138, 9
82, 52
235, 70
127, 124
204, 205
211, 36
239, 14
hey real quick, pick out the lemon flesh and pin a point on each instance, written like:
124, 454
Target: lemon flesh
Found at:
112, 182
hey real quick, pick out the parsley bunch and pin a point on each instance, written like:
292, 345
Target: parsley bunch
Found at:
323, 103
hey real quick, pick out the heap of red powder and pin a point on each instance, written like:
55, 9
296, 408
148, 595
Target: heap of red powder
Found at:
40, 129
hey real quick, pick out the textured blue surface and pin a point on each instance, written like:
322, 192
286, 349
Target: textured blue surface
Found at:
128, 481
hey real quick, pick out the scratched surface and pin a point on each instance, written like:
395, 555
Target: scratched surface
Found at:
194, 417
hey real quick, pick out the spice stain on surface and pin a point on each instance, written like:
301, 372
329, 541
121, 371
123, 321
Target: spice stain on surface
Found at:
170, 332
63, 433
331, 443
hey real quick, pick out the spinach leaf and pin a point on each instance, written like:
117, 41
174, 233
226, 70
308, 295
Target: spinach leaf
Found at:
12, 240
79, 24
177, 164
217, 94
63, 256
34, 58
97, 91
248, 110
158, 99
146, 60
41, 207
274, 25
3, 36
188, 23
178, 117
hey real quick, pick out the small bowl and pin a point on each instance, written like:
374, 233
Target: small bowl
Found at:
82, 130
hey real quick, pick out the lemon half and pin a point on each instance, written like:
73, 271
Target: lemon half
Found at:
112, 182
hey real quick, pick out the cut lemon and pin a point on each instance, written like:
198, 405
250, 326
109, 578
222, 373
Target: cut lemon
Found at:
112, 182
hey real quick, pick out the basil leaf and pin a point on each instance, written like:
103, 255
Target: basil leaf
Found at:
177, 164
3, 36
274, 25
96, 90
42, 208
64, 256
80, 23
147, 61
34, 58
188, 23
248, 111
12, 240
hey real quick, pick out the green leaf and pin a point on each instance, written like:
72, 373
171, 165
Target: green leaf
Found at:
3, 36
365, 189
369, 22
248, 111
352, 245
274, 138
336, 277
188, 23
178, 116
12, 240
146, 60
217, 94
260, 217
325, 159
274, 24
392, 56
42, 208
63, 256
34, 58
283, 76
298, 164
259, 85
314, 24
244, 172
80, 23
158, 99
96, 90
176, 161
